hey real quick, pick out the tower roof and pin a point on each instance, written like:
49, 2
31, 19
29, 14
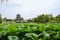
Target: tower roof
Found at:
18, 14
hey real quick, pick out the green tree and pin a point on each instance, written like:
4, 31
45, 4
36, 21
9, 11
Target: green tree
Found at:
57, 18
43, 18
35, 19
29, 20
0, 19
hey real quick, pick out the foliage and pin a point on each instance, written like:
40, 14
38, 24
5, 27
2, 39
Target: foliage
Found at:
57, 18
43, 18
0, 19
29, 31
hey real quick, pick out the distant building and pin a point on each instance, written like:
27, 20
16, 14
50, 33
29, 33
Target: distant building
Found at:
5, 19
18, 18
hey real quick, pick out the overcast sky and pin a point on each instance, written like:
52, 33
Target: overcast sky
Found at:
29, 8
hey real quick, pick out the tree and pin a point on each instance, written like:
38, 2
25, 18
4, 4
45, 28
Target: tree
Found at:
43, 18
57, 18
29, 20
0, 19
35, 19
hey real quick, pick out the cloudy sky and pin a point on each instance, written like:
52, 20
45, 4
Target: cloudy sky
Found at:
29, 8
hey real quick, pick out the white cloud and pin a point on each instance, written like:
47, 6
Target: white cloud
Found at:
16, 1
31, 8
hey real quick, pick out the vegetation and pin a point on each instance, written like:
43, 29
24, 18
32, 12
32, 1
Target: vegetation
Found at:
29, 31
42, 27
45, 18
0, 19
57, 18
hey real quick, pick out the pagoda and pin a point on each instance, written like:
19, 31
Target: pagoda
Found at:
18, 18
